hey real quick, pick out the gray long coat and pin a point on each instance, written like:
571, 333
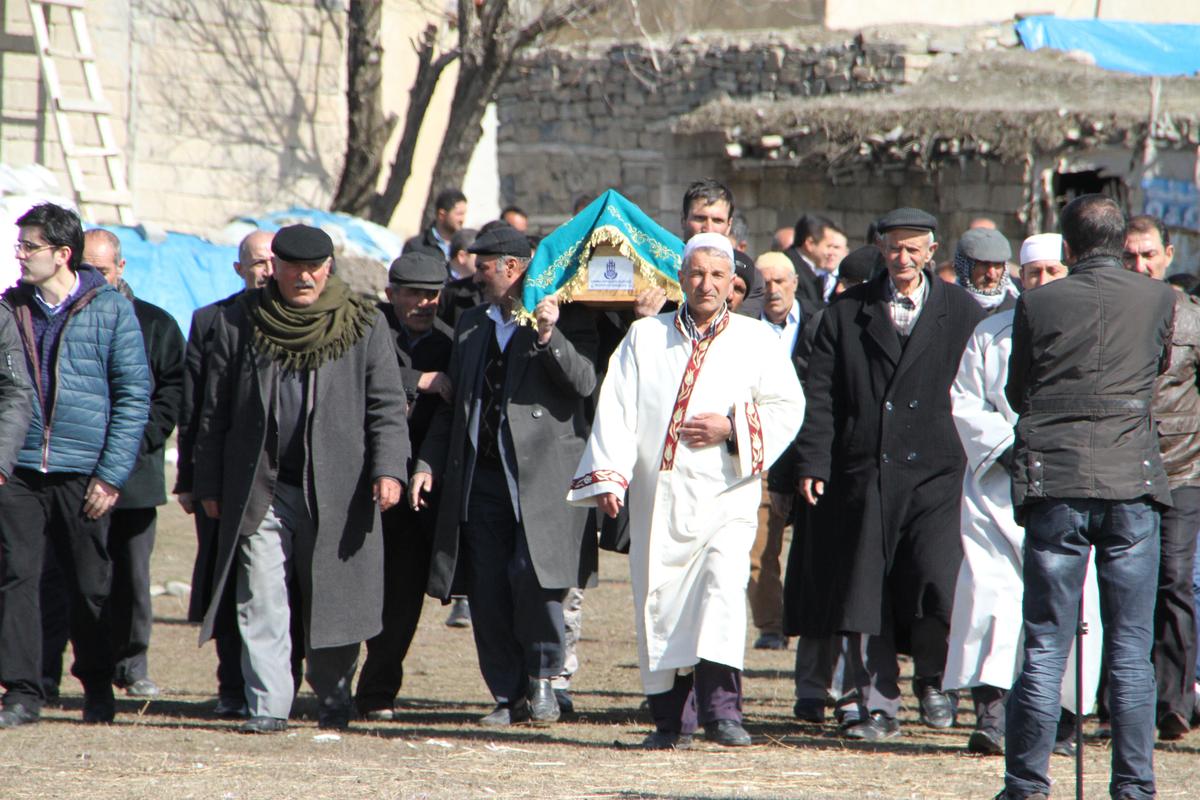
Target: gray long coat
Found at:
544, 394
357, 433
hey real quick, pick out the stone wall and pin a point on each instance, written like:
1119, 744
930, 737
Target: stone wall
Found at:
580, 120
222, 107
772, 197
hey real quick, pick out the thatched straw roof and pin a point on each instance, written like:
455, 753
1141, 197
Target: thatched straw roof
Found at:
1002, 104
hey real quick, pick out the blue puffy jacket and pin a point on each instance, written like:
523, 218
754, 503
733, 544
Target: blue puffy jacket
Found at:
101, 389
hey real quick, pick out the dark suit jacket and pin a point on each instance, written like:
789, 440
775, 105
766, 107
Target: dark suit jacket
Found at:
146, 486
809, 287
544, 406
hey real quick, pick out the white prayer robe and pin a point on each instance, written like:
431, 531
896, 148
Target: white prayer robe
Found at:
986, 622
692, 513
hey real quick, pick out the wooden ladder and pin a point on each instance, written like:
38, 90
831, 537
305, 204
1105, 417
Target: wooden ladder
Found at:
116, 194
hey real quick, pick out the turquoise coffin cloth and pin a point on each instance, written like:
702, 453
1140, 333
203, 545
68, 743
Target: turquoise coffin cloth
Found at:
610, 219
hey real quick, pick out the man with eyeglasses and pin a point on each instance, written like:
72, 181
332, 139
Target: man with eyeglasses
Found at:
84, 351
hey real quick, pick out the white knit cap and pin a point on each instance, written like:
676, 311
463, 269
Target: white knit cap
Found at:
717, 241
1042, 247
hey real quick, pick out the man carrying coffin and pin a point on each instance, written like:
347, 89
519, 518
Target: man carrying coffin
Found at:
695, 405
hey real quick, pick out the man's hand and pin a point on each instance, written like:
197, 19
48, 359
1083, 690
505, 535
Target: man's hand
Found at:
703, 430
186, 502
546, 315
387, 492
3, 480
781, 504
436, 383
421, 482
649, 302
212, 508
609, 503
99, 498
811, 489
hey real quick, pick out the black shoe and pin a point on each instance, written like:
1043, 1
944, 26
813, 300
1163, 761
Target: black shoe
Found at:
1172, 727
143, 687
566, 703
875, 728
502, 715
334, 719
1064, 747
379, 715
543, 705
230, 708
771, 641
667, 740
16, 714
937, 708
986, 742
809, 711
727, 732
460, 614
1004, 795
263, 725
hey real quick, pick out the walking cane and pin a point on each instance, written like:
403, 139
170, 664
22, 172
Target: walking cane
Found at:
1080, 631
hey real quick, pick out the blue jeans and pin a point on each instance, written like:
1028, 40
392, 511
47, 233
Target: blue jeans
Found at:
1058, 537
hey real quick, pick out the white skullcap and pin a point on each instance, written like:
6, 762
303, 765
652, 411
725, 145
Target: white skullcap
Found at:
717, 241
1042, 247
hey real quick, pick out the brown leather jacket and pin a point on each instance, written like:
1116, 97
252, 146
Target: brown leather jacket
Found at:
1177, 398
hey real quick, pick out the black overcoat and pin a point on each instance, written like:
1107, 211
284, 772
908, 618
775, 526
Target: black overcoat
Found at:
356, 433
545, 390
884, 538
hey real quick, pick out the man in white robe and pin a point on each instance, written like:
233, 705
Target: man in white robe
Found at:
694, 407
985, 626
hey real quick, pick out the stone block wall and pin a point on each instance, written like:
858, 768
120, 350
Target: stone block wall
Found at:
583, 119
222, 107
773, 196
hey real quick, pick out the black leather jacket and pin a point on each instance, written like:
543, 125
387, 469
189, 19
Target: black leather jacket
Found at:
1085, 355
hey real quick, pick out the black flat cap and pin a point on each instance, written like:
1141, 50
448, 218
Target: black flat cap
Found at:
418, 270
743, 266
862, 264
302, 244
908, 218
502, 240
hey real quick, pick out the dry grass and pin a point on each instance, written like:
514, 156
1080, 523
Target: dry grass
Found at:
172, 748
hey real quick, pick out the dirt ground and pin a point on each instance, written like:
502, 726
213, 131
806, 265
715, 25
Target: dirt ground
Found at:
173, 748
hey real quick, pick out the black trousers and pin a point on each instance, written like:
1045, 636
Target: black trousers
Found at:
708, 693
406, 554
518, 625
130, 543
230, 684
1174, 652
34, 507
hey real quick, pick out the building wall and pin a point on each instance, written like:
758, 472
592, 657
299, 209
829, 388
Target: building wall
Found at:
223, 107
579, 121
773, 196
863, 13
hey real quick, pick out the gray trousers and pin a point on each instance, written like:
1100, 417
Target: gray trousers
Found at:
266, 559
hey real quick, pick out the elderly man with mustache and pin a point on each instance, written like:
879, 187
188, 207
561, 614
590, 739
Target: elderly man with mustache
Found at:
303, 410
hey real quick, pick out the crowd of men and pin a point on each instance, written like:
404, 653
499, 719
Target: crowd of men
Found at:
948, 454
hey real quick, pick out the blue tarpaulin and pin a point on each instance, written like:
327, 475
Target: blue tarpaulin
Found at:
1143, 48
185, 272
180, 274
